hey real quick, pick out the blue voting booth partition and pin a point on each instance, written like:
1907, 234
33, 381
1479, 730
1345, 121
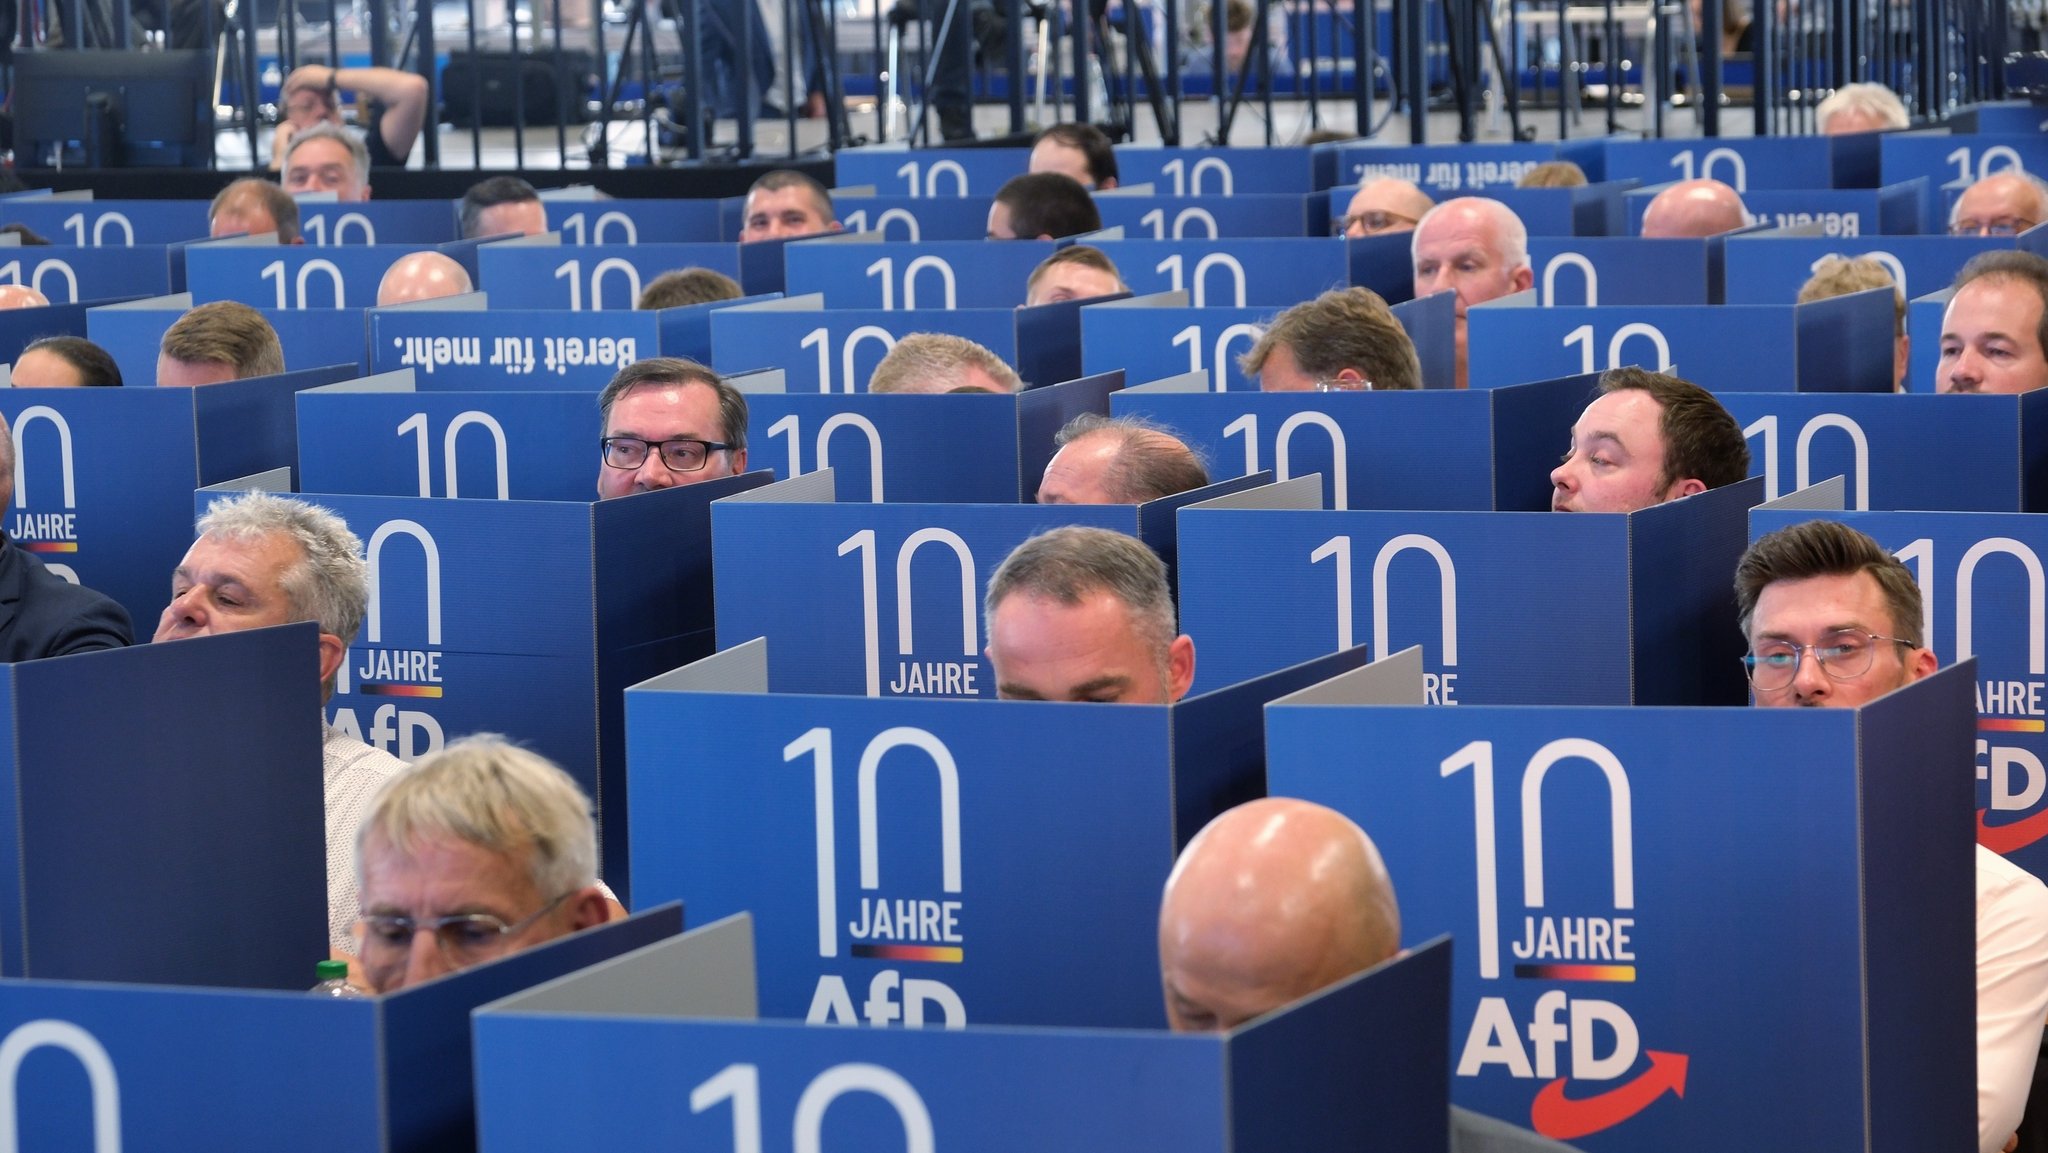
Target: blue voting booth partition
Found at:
896, 169
1594, 270
1686, 929
1945, 159
378, 222
1205, 217
633, 221
1768, 268
858, 271
143, 843
1233, 273
378, 437
1884, 447
985, 449
1842, 213
597, 277
1924, 318
291, 276
832, 586
70, 275
1436, 449
155, 1069
103, 476
1490, 595
1220, 171
498, 349
836, 350
1032, 829
1445, 170
524, 617
20, 327
1158, 336
1975, 569
109, 223
133, 332
914, 219
686, 331
1361, 1067
1764, 162
2000, 117
1837, 345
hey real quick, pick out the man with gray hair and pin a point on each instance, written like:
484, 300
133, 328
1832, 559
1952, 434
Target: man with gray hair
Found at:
937, 362
1118, 460
264, 560
328, 158
2005, 203
1476, 248
1861, 107
486, 847
1084, 614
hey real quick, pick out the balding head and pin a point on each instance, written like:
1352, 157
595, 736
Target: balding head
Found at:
421, 276
21, 296
1385, 205
1118, 460
1694, 208
2004, 203
1274, 900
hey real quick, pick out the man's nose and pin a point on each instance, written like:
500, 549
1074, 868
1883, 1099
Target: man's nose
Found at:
1561, 476
652, 473
1809, 680
423, 962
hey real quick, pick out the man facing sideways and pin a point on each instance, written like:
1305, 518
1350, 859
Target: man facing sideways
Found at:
1118, 460
1648, 438
1344, 340
1833, 621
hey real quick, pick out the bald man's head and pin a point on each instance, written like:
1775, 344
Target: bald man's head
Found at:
1274, 900
421, 276
1694, 208
21, 296
2005, 203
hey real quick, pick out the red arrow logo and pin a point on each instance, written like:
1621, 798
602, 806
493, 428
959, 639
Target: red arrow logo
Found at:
2003, 839
1555, 1115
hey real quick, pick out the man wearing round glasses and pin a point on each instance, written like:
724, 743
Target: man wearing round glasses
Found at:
475, 852
669, 421
1833, 620
1383, 205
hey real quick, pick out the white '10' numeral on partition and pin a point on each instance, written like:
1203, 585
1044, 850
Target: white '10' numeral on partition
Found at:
741, 1085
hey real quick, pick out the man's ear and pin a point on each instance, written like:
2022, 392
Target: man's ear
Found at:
1921, 663
588, 907
837, 227
333, 651
1523, 278
1690, 486
1350, 375
1180, 667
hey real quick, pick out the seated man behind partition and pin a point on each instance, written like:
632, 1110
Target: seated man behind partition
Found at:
1694, 208
1118, 460
1476, 248
483, 847
1833, 621
1648, 438
217, 342
1084, 614
1995, 328
1344, 340
1272, 901
937, 362
667, 422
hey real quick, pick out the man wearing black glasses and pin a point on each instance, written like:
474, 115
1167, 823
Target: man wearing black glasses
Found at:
1833, 620
669, 421
484, 847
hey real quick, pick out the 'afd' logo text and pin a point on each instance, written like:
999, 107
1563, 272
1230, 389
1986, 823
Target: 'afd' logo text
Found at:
381, 671
953, 678
924, 928
46, 531
1596, 948
2009, 704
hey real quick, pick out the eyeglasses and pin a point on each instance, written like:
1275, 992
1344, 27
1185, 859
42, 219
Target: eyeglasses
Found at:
2009, 226
680, 455
1369, 223
463, 938
1843, 655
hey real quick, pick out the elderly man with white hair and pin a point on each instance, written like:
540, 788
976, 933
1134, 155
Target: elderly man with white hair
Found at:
1475, 247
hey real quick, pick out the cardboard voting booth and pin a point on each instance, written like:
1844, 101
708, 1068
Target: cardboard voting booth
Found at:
1445, 170
70, 275
1981, 591
898, 169
1256, 271
133, 333
103, 476
1360, 1067
1204, 217
155, 1069
331, 223
1680, 928
1947, 159
836, 350
911, 860
1841, 344
1763, 162
1489, 595
884, 599
1593, 270
20, 327
82, 223
1434, 449
589, 221
379, 437
1955, 453
504, 348
857, 270
291, 276
592, 277
524, 617
916, 449
1187, 171
914, 219
1769, 267
145, 842
1844, 213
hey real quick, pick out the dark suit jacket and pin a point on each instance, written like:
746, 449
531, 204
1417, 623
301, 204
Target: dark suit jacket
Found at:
44, 615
